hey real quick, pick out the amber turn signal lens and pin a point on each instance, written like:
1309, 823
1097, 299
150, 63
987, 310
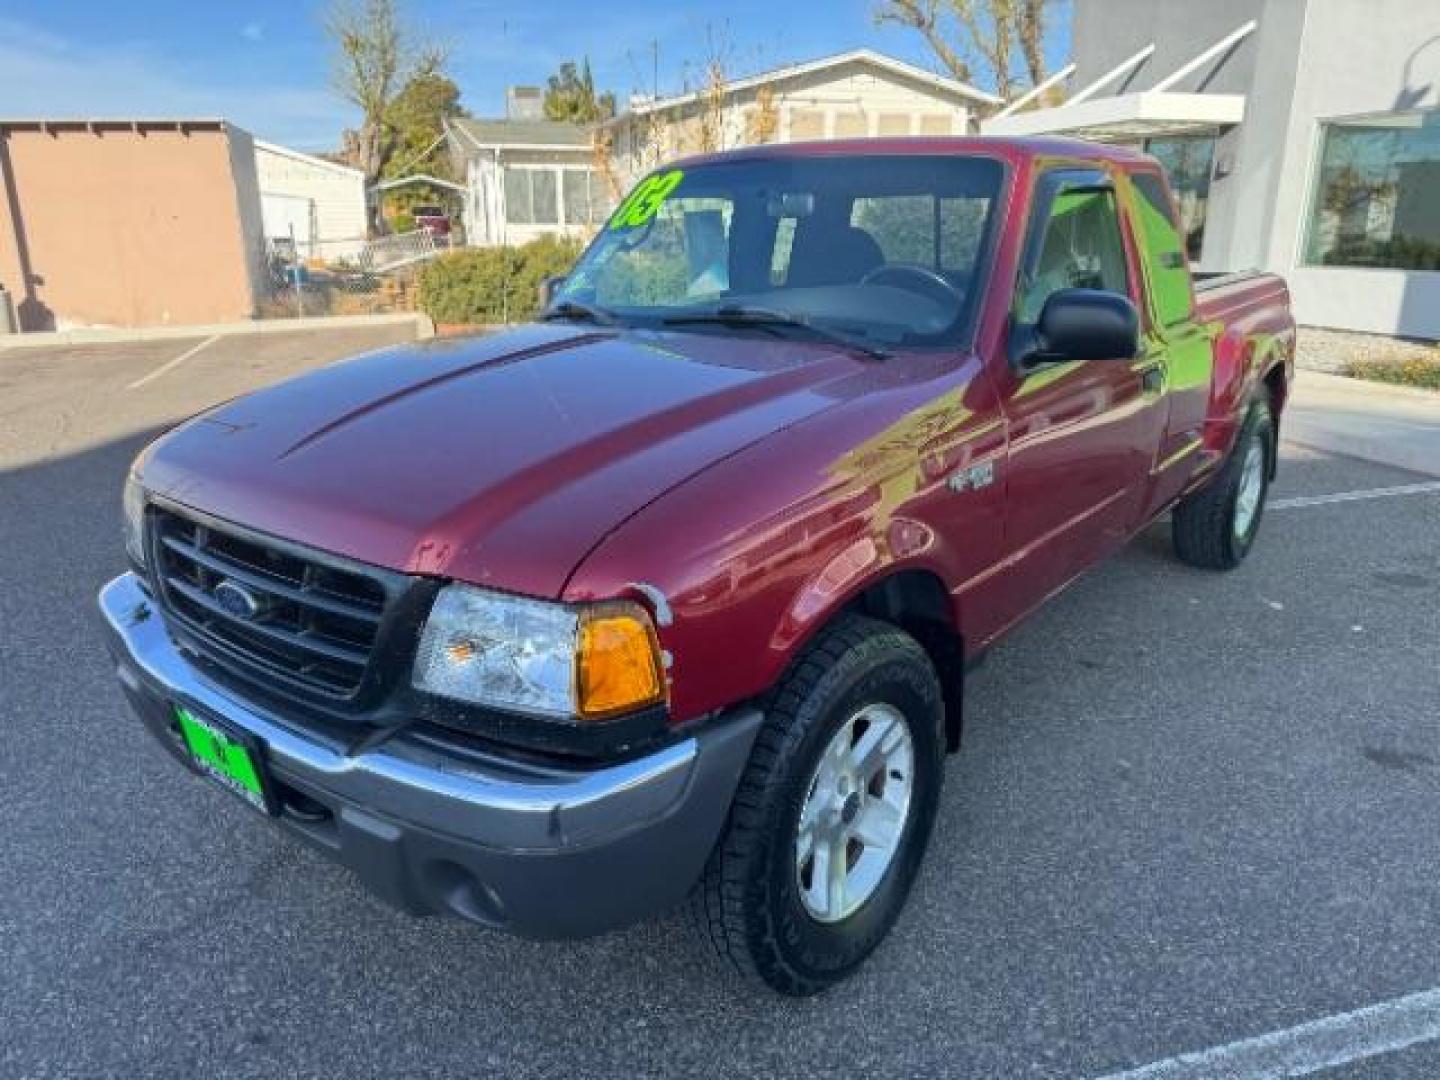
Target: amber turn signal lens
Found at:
619, 662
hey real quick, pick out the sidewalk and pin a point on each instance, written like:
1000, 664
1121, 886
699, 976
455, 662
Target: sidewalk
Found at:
424, 329
1391, 425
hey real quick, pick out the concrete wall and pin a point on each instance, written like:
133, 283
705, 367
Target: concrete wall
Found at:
247, 204
1251, 164
113, 226
1107, 32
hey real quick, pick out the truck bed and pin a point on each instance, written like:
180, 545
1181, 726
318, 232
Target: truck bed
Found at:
1241, 299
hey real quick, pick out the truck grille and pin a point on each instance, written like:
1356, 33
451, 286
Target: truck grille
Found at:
266, 610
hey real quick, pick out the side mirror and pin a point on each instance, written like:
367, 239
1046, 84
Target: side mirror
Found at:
549, 286
1079, 324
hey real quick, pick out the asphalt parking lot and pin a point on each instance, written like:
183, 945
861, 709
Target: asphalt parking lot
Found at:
1190, 809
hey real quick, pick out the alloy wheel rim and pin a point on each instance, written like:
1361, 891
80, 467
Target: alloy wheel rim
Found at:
855, 811
1252, 483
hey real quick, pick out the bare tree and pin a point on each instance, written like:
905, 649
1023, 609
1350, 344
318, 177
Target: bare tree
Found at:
763, 123
376, 55
968, 34
1031, 22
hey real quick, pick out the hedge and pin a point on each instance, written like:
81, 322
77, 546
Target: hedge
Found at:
495, 284
1421, 371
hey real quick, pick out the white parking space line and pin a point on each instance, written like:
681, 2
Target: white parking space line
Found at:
1427, 488
171, 365
1299, 1051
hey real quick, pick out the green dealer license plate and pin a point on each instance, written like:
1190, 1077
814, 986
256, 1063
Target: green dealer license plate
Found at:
228, 757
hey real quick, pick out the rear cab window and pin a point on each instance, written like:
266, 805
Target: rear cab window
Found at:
1162, 251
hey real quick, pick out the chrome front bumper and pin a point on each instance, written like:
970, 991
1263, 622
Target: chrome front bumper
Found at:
544, 853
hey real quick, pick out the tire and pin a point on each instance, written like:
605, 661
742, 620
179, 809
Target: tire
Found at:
1216, 526
756, 908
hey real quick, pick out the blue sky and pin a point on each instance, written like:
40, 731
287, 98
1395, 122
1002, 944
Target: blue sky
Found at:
264, 63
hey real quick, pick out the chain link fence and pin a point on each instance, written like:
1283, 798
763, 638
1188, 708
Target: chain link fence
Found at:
308, 278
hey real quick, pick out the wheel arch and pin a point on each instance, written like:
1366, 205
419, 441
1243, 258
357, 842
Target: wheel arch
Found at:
1275, 379
916, 600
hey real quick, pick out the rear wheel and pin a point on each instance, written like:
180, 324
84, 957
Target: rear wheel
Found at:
832, 815
1216, 526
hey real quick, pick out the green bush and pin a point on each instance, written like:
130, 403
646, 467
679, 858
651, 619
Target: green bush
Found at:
402, 223
493, 285
1422, 371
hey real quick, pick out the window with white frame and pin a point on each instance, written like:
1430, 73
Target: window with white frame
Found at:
1376, 201
531, 195
554, 195
585, 198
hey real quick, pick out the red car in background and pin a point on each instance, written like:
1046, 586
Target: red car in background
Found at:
433, 219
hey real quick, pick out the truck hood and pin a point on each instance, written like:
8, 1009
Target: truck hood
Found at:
498, 460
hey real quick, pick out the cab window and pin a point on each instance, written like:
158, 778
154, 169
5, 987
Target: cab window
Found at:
1162, 249
1081, 249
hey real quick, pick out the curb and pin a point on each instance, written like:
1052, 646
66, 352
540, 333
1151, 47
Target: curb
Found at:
1375, 451
424, 330
1324, 380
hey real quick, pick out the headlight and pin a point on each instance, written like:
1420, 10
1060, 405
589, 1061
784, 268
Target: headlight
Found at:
583, 662
134, 513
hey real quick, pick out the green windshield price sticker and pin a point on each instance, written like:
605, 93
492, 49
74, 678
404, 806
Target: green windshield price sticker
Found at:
645, 201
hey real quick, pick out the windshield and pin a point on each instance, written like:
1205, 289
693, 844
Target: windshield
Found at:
888, 249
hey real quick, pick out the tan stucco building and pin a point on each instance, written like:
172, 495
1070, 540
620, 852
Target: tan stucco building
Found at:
128, 222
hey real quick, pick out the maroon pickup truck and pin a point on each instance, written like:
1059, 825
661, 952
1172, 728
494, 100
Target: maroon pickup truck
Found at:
673, 593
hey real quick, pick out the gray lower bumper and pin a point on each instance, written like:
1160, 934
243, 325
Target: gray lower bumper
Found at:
543, 855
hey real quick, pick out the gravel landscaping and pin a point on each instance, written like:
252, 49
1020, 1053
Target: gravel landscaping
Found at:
1334, 351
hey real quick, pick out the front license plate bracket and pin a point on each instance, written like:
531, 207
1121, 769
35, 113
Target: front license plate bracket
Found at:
234, 759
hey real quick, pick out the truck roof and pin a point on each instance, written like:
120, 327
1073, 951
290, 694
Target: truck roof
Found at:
1012, 149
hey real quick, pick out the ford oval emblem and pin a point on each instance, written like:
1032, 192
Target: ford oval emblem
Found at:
237, 600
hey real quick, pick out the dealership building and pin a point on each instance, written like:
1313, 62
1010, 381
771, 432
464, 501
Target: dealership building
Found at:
1303, 137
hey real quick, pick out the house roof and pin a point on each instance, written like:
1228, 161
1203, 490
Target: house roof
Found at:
863, 56
308, 159
537, 134
121, 123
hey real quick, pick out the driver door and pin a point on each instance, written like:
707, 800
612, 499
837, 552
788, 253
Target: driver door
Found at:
1081, 433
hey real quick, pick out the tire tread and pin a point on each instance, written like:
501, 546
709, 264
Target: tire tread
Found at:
718, 904
1201, 522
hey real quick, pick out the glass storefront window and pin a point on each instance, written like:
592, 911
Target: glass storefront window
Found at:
1187, 162
1377, 196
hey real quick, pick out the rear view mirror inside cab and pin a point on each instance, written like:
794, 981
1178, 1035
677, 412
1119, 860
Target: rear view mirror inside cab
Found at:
790, 204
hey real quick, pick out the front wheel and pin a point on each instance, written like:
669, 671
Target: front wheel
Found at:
1216, 526
833, 812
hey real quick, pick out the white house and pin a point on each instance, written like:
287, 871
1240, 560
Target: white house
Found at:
856, 94
320, 203
526, 176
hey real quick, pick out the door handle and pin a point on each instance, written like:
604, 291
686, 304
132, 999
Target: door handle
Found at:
1152, 374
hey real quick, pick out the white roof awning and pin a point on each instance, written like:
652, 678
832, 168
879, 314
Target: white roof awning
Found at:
1144, 114
418, 178
1127, 117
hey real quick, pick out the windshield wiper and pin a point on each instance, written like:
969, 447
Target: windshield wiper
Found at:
575, 311
739, 315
